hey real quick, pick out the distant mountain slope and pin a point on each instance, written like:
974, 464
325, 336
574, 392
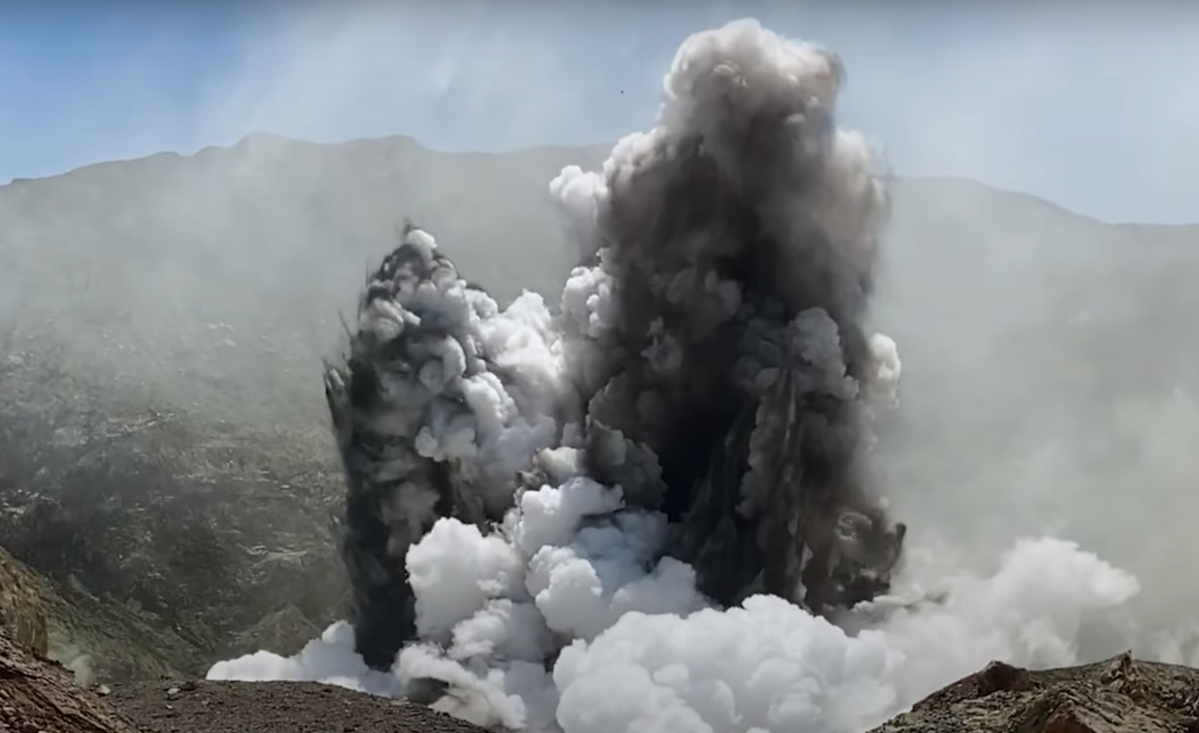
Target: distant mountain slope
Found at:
206, 266
203, 266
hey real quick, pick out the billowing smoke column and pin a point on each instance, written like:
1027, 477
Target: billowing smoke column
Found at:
646, 509
689, 424
442, 401
736, 243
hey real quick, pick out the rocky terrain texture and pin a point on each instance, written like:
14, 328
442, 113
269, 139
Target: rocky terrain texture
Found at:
273, 707
38, 696
166, 474
138, 513
1116, 696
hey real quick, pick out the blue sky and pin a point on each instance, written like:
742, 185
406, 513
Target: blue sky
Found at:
1093, 105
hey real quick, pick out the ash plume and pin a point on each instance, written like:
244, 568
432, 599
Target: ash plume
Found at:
709, 364
433, 418
739, 238
649, 507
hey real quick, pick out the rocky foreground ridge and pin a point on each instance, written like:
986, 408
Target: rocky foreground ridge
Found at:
1119, 695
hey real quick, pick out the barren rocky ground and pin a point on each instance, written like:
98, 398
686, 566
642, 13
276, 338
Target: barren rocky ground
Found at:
1116, 696
273, 707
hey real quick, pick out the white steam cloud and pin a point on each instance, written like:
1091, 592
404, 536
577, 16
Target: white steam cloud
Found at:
557, 602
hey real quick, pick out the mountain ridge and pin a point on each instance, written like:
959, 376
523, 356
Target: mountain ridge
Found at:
592, 152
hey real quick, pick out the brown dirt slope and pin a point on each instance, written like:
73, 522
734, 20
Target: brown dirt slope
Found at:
273, 707
1116, 696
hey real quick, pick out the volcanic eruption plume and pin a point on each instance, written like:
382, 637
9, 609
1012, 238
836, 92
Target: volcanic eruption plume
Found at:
647, 507
703, 383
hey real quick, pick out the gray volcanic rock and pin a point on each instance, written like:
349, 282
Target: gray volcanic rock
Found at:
1116, 696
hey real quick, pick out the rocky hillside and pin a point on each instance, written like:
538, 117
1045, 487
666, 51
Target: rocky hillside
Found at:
1116, 696
163, 439
95, 637
164, 459
40, 696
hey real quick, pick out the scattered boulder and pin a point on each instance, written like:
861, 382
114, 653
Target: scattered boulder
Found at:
1003, 677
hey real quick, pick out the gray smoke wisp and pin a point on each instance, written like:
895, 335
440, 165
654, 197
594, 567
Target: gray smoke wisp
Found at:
649, 507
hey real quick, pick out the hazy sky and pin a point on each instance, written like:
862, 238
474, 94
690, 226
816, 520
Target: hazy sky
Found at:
1093, 105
